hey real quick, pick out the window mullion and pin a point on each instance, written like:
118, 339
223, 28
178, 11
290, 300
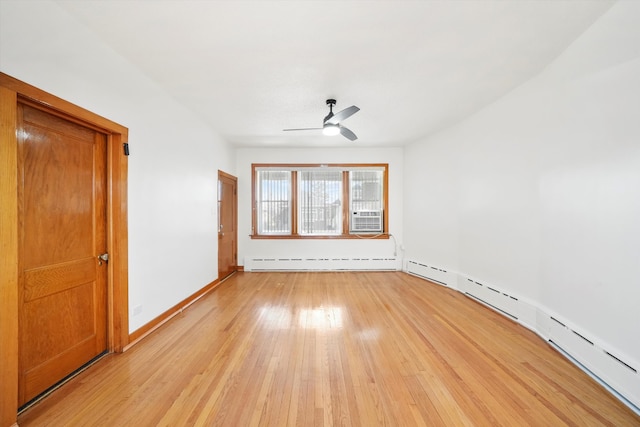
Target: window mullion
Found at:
385, 201
254, 202
346, 202
294, 203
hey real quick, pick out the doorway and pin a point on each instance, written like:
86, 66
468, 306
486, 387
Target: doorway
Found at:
227, 224
14, 94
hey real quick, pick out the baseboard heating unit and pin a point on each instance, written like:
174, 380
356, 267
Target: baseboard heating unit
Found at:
434, 274
322, 264
619, 373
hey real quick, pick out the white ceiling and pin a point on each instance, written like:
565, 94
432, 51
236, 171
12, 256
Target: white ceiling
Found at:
253, 68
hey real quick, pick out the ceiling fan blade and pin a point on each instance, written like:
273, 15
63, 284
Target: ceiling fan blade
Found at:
342, 115
347, 133
285, 130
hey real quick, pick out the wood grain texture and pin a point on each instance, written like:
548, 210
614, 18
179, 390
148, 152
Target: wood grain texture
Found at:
59, 105
227, 224
41, 282
62, 217
361, 349
8, 258
159, 320
118, 242
12, 91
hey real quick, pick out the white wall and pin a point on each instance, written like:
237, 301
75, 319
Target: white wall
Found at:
174, 156
318, 248
539, 193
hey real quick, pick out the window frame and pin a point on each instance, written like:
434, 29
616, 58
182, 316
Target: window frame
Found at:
256, 189
346, 197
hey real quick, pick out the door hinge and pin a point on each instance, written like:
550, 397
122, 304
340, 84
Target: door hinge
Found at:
125, 146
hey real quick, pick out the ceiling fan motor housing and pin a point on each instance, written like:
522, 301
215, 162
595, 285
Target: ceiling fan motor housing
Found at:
330, 103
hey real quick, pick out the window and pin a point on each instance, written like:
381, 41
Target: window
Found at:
273, 202
365, 189
320, 201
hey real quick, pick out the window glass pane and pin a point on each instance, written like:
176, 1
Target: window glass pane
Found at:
365, 189
273, 201
320, 202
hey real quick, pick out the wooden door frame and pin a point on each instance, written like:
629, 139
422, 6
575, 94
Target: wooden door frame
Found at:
222, 174
11, 92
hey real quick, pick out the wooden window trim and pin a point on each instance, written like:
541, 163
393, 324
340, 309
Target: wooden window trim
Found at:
294, 206
345, 205
346, 202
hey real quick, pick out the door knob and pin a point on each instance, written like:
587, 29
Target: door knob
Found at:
103, 257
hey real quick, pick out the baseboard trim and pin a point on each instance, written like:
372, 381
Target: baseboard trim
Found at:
146, 329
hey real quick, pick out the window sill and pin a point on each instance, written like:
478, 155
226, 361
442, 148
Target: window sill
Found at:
340, 236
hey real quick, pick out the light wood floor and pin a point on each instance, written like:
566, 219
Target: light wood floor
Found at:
360, 349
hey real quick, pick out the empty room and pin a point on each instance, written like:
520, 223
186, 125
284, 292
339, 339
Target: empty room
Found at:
317, 213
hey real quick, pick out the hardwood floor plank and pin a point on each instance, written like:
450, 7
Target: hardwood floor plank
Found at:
333, 348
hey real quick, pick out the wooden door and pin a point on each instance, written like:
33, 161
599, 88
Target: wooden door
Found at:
62, 230
227, 220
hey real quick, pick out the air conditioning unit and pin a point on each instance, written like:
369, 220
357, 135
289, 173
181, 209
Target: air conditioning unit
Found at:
366, 222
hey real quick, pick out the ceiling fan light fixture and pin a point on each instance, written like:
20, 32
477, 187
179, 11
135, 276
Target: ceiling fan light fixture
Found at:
330, 130
331, 124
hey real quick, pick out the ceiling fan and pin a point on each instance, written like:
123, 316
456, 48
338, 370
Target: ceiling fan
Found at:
331, 123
